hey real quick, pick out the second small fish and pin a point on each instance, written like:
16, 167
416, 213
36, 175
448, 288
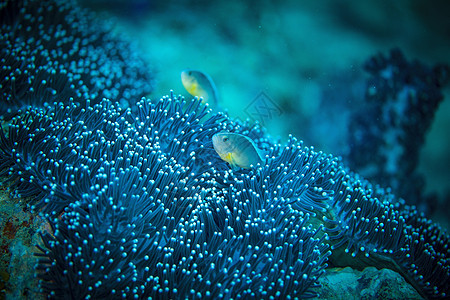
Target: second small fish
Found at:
200, 84
236, 149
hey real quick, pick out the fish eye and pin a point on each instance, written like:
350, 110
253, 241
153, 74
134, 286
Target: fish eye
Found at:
225, 139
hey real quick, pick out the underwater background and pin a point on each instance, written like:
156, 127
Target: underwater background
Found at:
364, 85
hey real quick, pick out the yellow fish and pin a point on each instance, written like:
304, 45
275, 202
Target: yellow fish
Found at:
237, 149
199, 84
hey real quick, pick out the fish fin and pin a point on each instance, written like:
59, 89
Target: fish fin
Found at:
235, 167
214, 98
262, 155
193, 89
229, 159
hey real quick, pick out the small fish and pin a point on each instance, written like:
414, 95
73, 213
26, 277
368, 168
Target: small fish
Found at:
199, 84
237, 149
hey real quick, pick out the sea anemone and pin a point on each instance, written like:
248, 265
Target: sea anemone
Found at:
371, 228
130, 190
141, 205
53, 50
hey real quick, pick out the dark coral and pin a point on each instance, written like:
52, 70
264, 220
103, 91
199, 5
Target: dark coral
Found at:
389, 129
53, 50
142, 206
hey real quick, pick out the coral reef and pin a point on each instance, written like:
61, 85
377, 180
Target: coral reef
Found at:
53, 50
369, 283
388, 130
140, 205
17, 249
